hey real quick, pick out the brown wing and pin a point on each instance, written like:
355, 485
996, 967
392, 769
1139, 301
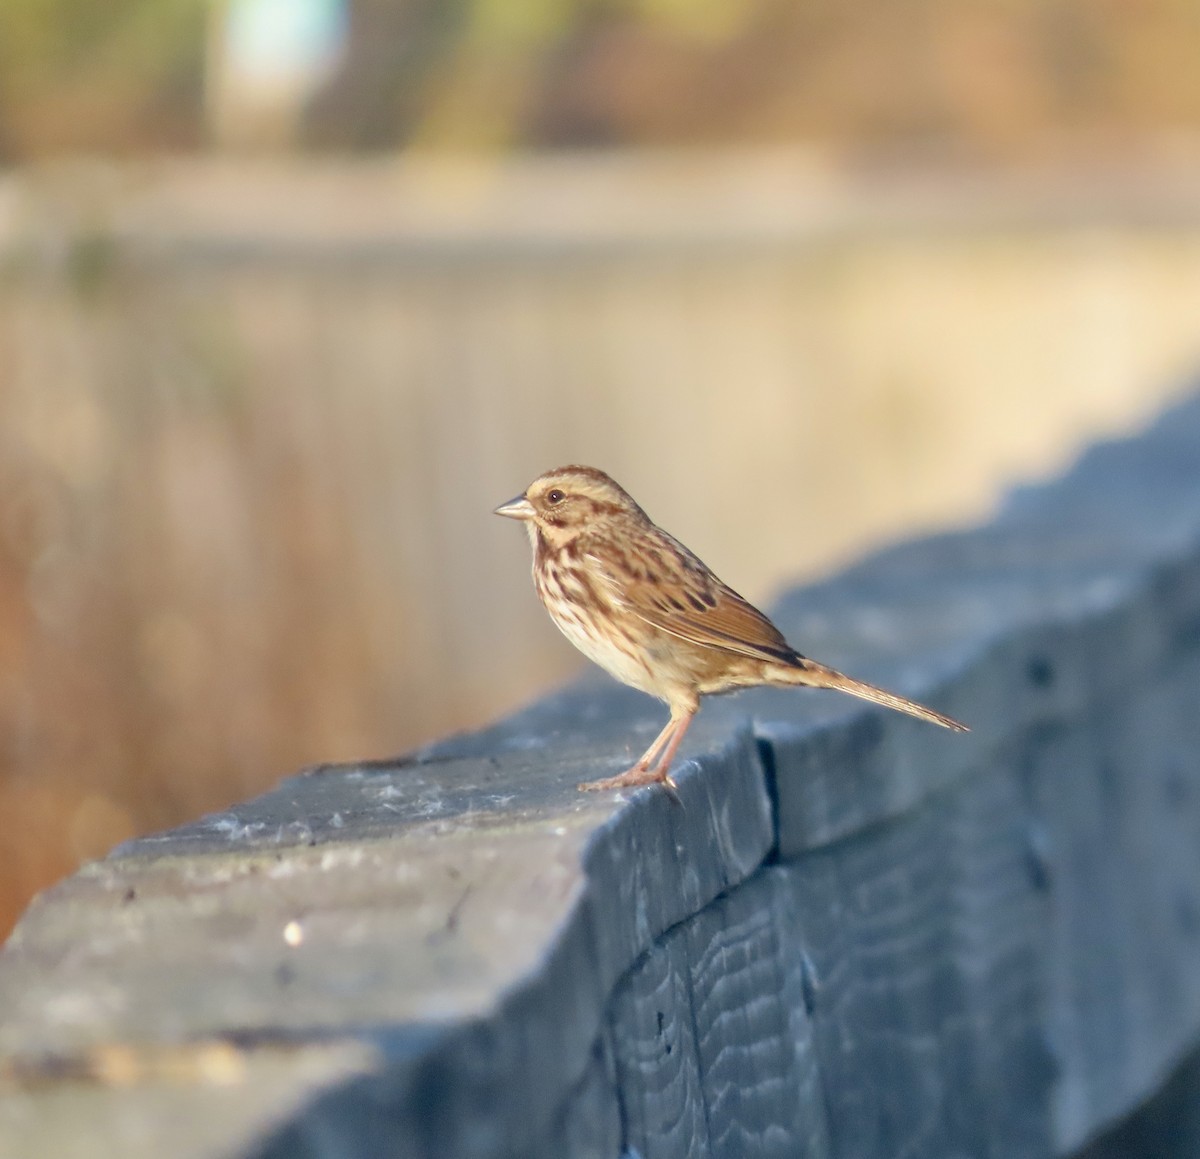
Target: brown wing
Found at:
676, 593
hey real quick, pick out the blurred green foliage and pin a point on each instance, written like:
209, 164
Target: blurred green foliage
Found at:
76, 75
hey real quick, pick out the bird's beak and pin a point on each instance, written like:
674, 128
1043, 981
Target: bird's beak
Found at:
518, 508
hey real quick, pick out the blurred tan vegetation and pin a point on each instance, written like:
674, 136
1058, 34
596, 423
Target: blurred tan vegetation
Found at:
255, 411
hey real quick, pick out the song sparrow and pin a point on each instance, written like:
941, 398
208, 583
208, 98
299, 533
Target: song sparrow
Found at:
638, 603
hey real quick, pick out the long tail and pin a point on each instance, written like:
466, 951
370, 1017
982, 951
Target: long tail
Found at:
814, 675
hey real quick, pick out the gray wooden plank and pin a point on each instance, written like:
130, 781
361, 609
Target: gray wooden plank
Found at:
907, 931
384, 899
758, 1069
654, 1043
1124, 984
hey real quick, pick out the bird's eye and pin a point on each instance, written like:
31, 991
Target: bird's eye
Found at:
555, 496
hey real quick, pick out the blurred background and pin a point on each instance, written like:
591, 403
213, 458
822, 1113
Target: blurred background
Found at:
293, 292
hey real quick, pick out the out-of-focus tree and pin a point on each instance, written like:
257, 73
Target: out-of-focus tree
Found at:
984, 78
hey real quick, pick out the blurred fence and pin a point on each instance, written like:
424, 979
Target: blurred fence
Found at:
253, 421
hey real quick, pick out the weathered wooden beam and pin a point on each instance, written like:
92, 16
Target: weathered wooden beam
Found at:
854, 936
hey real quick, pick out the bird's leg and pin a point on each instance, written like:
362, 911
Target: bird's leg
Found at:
663, 771
642, 773
656, 746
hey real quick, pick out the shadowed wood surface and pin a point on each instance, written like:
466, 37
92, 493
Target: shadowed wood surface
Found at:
855, 936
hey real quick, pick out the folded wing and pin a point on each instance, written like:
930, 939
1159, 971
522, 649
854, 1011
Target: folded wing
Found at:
679, 595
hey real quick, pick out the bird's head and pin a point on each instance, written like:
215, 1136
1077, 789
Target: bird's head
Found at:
565, 502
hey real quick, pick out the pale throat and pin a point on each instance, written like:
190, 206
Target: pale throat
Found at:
550, 538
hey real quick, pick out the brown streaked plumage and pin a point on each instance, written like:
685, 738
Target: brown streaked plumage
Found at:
637, 602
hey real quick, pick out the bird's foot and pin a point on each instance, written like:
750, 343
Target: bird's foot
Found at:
635, 777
